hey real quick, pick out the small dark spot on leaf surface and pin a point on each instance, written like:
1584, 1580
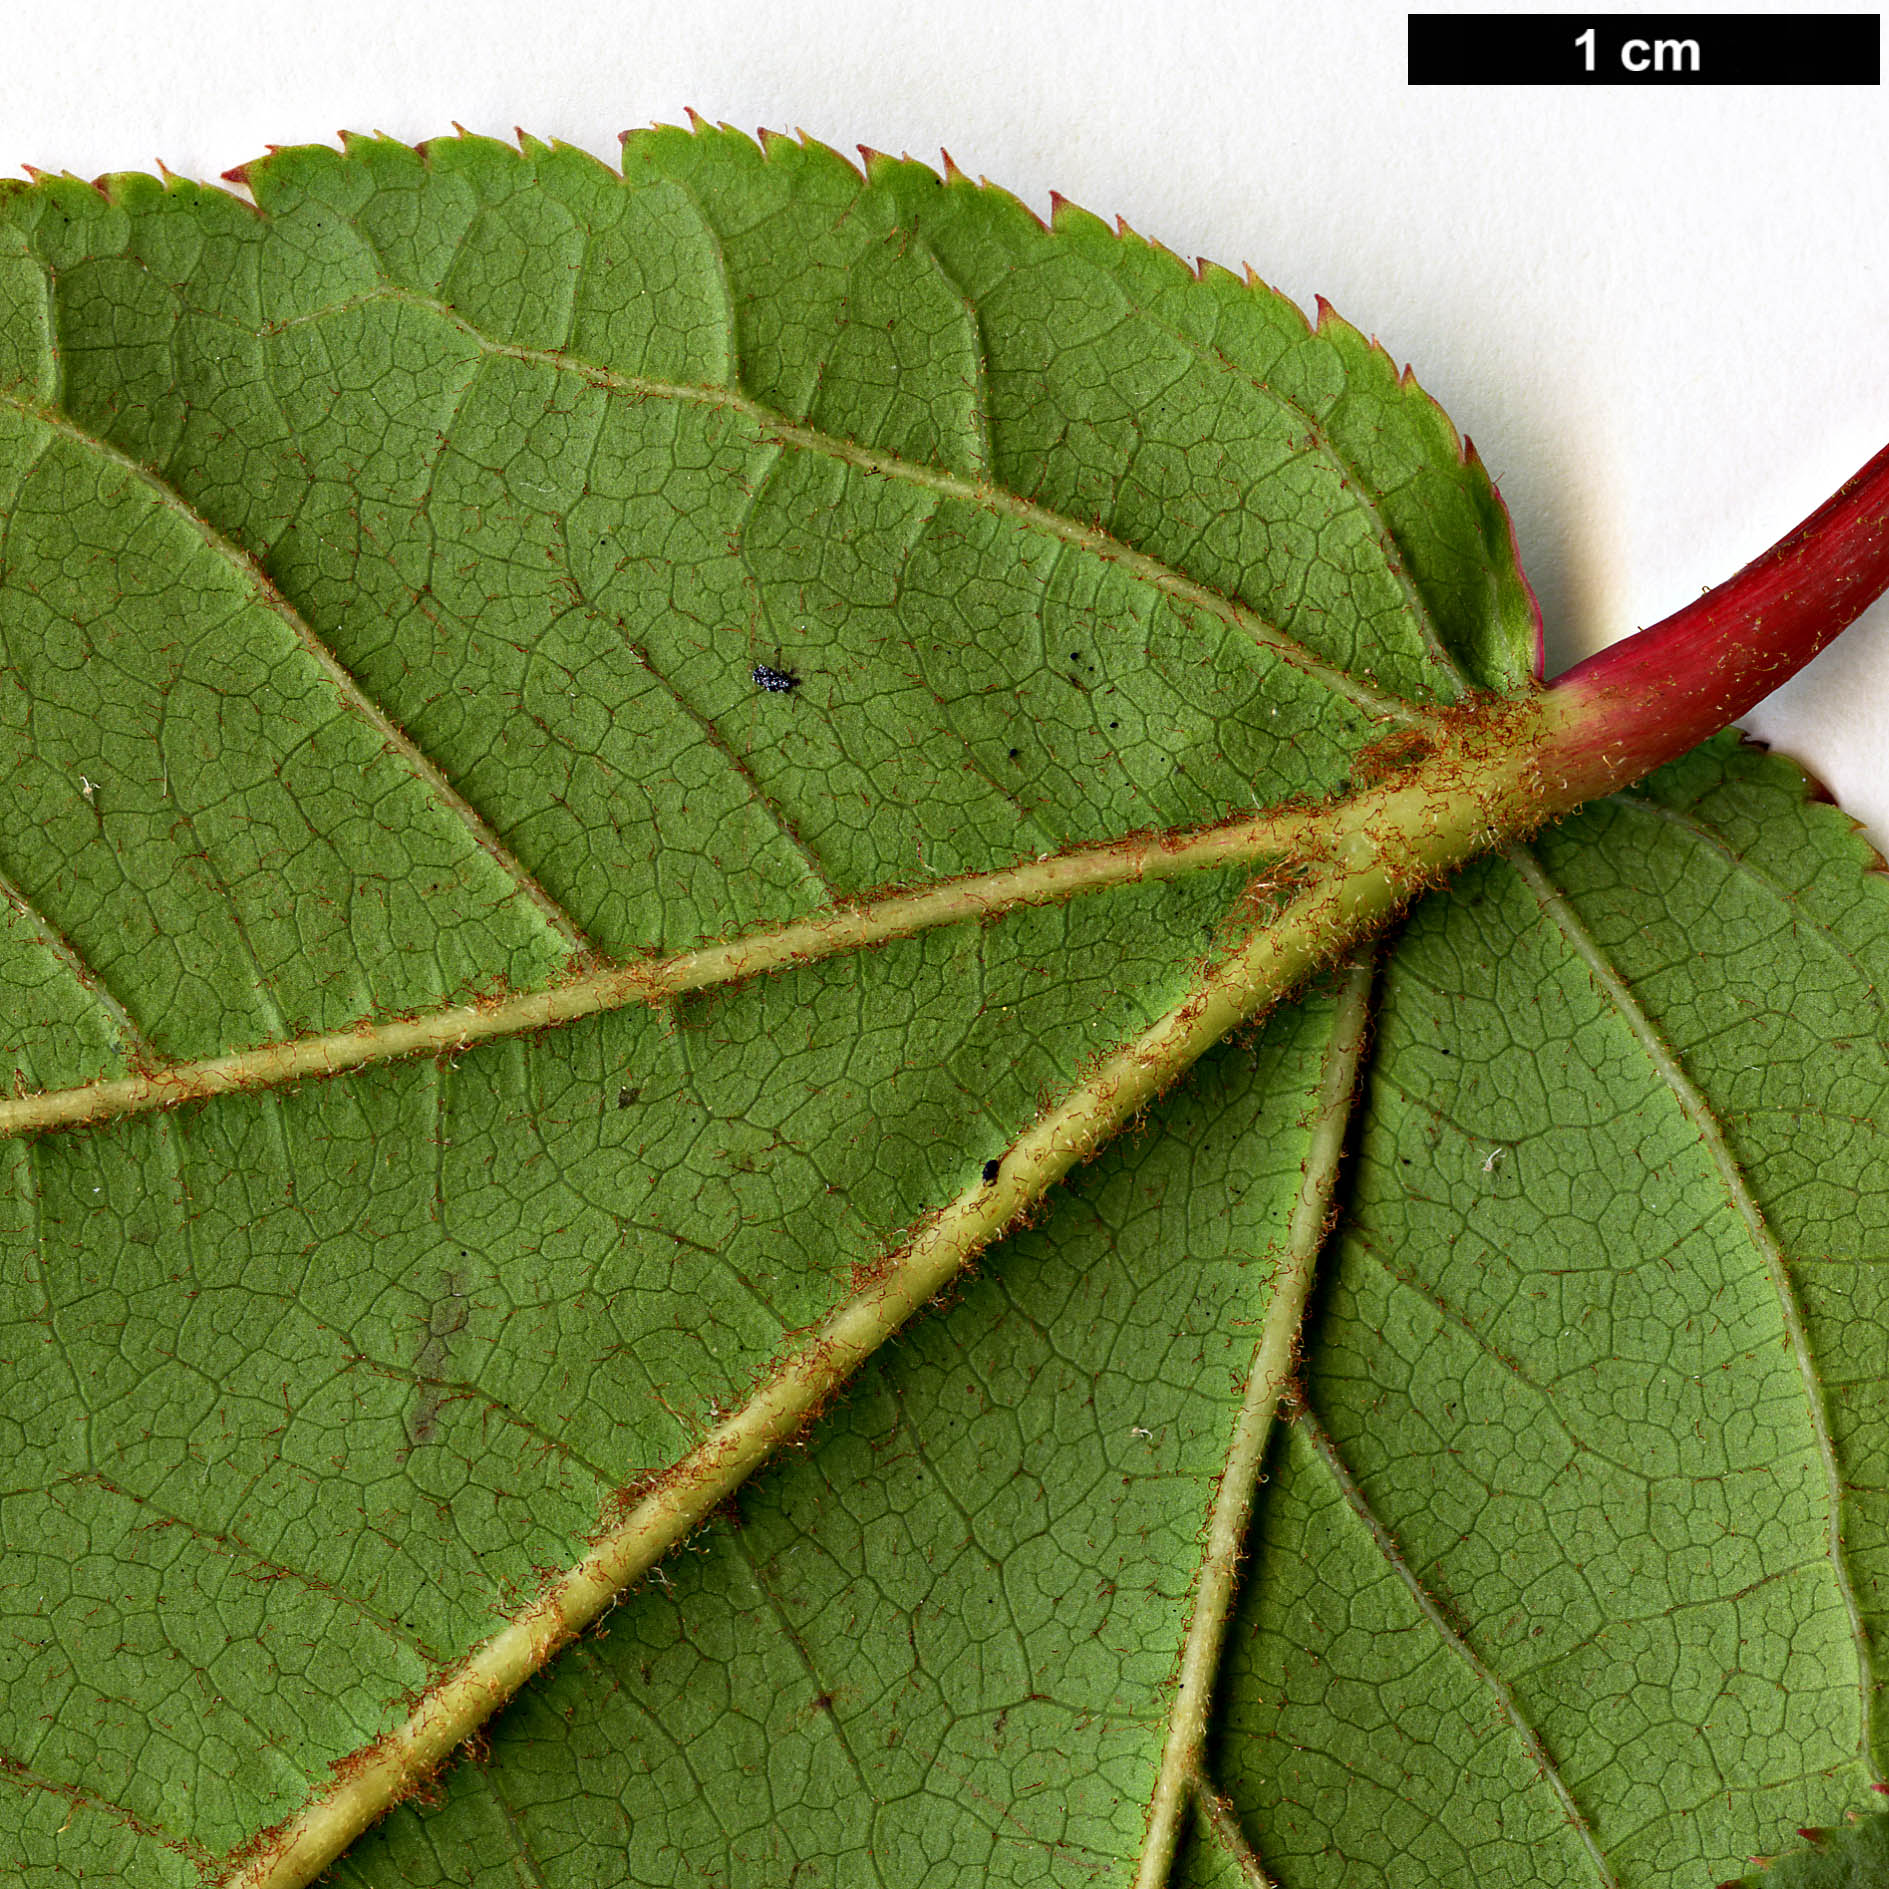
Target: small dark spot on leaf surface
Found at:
774, 681
991, 1170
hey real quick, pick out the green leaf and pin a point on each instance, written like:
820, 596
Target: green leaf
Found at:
391, 576
1853, 1857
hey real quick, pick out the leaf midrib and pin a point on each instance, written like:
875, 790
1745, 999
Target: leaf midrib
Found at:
810, 439
906, 1279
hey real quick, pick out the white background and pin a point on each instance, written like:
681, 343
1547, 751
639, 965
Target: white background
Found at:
1662, 314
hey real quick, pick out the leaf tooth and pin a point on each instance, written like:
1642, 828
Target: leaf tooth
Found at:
1064, 215
1256, 284
474, 144
804, 150
1009, 200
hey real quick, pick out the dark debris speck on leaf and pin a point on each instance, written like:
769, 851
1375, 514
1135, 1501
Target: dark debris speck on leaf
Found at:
991, 1169
774, 681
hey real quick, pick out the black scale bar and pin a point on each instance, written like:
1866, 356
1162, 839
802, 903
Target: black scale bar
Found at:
1645, 49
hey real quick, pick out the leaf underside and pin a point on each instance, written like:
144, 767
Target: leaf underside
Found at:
1856, 1856
388, 576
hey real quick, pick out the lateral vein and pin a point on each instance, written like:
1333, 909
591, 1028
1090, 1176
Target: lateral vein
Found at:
1802, 922
1222, 1824
1266, 1382
1139, 859
353, 697
984, 494
23, 1778
1255, 973
1509, 1706
132, 1044
1352, 483
1332, 906
1704, 1123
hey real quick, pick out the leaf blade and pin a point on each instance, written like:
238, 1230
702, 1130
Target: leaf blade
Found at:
1140, 474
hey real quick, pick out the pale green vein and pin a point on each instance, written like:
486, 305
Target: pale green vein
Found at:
1350, 480
132, 1044
1266, 1381
1142, 858
1220, 1823
634, 1535
21, 1778
256, 1566
1340, 1472
353, 698
1698, 1113
1802, 920
1449, 805
983, 495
